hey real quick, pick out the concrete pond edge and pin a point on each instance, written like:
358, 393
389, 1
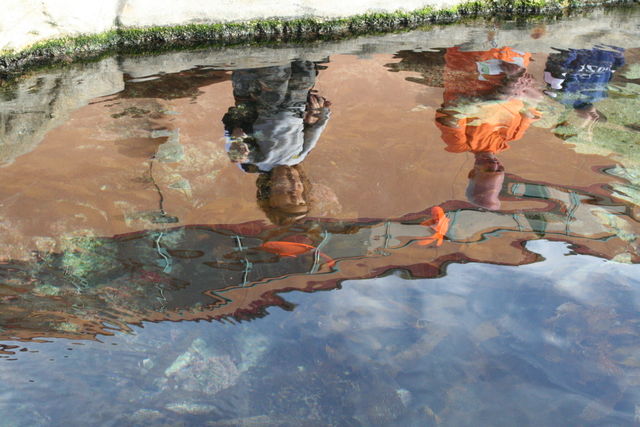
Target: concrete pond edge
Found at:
156, 39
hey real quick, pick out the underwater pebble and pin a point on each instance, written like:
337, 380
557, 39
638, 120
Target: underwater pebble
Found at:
261, 421
147, 364
632, 71
405, 396
202, 371
190, 408
624, 258
145, 416
47, 290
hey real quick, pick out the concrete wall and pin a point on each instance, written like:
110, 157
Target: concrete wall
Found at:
24, 22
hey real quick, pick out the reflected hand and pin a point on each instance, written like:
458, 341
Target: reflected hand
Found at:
315, 104
524, 87
448, 117
511, 69
239, 152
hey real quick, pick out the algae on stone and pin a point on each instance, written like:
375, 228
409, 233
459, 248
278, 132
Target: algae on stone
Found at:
46, 289
617, 137
85, 258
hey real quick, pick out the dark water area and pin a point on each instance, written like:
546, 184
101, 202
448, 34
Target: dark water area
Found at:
467, 197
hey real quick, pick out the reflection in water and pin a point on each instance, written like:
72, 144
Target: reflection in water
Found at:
276, 122
440, 224
488, 102
558, 332
235, 271
580, 77
483, 343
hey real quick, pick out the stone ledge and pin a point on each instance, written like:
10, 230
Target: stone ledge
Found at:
75, 29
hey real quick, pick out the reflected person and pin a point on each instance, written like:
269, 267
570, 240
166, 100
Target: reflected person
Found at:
580, 77
489, 101
276, 121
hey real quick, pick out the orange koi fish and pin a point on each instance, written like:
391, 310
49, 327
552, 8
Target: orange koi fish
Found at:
440, 223
293, 249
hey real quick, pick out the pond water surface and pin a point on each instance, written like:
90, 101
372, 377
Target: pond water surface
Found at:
467, 196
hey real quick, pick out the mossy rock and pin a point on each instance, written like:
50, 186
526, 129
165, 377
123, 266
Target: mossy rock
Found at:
87, 258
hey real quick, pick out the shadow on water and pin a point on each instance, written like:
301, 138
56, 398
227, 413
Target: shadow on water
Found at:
506, 174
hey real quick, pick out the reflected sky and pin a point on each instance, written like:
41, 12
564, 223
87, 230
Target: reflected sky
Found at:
512, 344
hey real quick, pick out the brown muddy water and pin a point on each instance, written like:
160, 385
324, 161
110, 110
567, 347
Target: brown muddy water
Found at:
468, 196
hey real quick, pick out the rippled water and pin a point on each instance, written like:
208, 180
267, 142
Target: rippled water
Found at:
467, 195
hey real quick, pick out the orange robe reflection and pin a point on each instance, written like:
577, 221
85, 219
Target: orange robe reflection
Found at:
486, 106
484, 119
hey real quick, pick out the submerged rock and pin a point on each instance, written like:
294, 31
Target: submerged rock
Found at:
190, 408
200, 370
46, 289
264, 421
171, 150
253, 347
404, 396
85, 257
145, 416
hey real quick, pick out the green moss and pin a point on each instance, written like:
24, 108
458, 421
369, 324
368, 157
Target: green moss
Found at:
632, 71
158, 39
66, 327
617, 137
46, 290
85, 258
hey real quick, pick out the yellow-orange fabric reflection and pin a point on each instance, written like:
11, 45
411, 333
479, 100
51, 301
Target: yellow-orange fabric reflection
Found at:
440, 223
497, 124
476, 116
293, 249
488, 102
